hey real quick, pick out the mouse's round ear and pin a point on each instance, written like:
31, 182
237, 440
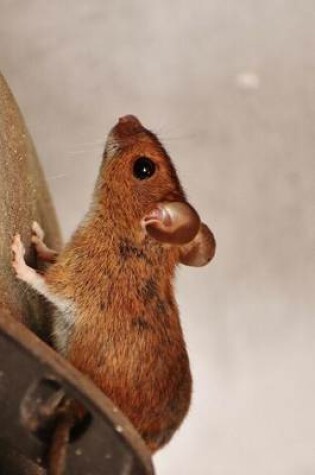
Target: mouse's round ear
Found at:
200, 250
173, 223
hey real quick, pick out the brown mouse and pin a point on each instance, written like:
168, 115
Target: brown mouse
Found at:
116, 317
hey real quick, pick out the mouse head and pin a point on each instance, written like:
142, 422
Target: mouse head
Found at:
136, 161
139, 185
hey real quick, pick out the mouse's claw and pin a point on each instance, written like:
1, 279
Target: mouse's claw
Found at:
43, 251
173, 223
37, 232
22, 270
17, 248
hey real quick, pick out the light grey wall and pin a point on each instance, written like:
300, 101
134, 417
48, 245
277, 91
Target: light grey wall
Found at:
230, 88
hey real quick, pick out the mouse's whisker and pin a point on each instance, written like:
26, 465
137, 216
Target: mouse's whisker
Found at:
84, 150
189, 137
94, 142
84, 154
56, 177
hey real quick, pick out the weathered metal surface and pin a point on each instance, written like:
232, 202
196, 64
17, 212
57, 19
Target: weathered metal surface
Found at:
30, 374
24, 197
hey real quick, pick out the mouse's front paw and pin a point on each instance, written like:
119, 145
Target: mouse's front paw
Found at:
43, 251
37, 233
22, 271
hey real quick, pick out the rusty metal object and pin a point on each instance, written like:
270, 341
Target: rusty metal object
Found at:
31, 376
24, 197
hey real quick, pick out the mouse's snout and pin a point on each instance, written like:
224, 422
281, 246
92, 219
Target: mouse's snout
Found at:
129, 120
124, 132
126, 127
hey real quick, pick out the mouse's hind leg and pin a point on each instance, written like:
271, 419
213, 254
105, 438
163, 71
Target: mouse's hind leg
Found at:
43, 251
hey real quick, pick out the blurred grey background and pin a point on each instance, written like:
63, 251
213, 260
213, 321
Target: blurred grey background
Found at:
230, 89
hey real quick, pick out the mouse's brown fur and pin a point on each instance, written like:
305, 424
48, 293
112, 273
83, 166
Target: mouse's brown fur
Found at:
125, 331
116, 316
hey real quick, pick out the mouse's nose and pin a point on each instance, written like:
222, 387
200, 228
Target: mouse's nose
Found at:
130, 120
127, 126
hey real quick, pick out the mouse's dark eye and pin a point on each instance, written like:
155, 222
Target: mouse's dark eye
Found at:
143, 168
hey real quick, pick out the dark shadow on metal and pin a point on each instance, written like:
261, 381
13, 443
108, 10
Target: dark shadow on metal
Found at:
33, 378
